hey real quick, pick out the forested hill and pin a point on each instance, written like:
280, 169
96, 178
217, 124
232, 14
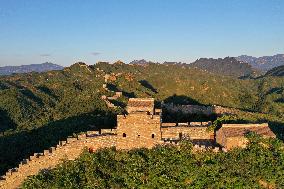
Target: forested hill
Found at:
39, 109
33, 99
8, 70
277, 71
227, 66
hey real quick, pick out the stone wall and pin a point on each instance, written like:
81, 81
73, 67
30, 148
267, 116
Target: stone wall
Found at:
140, 105
219, 110
138, 130
192, 132
220, 137
188, 109
197, 109
233, 135
232, 142
69, 149
108, 131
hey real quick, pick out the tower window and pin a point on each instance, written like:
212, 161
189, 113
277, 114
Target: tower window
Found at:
153, 135
124, 135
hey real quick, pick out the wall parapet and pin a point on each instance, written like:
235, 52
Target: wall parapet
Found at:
69, 149
245, 125
187, 124
199, 109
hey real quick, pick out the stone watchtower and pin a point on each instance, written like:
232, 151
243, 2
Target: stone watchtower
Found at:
141, 127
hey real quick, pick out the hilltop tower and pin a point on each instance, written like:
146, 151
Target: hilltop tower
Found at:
141, 127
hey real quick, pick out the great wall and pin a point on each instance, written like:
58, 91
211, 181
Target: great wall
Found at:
140, 127
107, 99
65, 150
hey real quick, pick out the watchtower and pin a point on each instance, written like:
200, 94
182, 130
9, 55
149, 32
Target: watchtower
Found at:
140, 127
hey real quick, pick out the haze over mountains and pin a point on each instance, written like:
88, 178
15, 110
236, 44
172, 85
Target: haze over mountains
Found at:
225, 66
241, 66
263, 63
47, 66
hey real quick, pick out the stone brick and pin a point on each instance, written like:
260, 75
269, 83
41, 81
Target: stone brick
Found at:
191, 132
46, 152
69, 140
233, 135
140, 105
138, 130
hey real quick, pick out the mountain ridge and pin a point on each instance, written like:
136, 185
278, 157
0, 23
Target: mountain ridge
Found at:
226, 66
263, 63
47, 66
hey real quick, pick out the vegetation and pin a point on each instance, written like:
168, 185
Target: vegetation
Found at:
260, 165
227, 66
38, 109
277, 71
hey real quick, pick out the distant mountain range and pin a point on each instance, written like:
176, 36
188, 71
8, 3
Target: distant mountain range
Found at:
226, 66
263, 63
141, 62
8, 70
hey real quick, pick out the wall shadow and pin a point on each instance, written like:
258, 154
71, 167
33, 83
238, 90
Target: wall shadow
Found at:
277, 128
180, 116
6, 123
47, 91
27, 93
129, 94
3, 86
181, 100
276, 90
279, 100
112, 87
18, 146
147, 85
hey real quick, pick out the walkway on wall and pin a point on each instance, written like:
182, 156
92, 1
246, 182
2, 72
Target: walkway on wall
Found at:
65, 150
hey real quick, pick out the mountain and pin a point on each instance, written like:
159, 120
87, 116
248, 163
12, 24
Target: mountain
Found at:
141, 62
277, 71
8, 70
227, 66
39, 109
175, 63
263, 63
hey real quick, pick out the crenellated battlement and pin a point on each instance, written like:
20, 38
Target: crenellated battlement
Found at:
68, 149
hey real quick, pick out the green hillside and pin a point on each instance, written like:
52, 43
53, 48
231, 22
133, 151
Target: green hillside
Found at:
39, 109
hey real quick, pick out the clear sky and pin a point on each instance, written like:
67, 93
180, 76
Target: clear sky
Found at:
63, 32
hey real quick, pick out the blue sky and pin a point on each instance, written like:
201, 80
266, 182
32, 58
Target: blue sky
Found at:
65, 32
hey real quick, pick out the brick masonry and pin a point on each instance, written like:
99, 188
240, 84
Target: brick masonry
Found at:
192, 133
198, 109
233, 135
65, 150
138, 130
